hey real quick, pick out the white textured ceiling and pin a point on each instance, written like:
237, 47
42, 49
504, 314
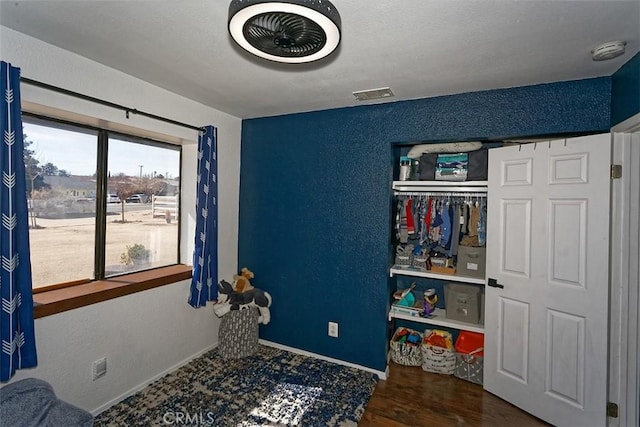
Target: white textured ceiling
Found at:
420, 48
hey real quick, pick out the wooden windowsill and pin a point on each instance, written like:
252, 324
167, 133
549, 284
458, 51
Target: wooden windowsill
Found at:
58, 300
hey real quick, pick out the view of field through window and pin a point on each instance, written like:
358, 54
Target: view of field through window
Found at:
142, 204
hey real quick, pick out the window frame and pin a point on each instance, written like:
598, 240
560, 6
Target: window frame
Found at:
141, 278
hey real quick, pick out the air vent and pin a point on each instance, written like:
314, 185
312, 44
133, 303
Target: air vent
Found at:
366, 95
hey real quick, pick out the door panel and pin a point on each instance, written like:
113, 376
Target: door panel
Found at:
514, 339
567, 251
515, 220
547, 244
568, 169
517, 172
565, 375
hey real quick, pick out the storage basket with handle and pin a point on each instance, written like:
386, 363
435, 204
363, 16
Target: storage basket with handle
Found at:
438, 355
405, 347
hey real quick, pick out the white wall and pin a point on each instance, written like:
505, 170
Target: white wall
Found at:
142, 335
146, 334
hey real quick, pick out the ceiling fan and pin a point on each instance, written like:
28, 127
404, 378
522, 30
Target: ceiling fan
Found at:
289, 31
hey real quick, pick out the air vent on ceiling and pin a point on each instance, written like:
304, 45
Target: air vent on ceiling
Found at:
366, 95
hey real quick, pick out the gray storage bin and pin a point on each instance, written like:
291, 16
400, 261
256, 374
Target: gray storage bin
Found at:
469, 367
238, 334
471, 261
463, 302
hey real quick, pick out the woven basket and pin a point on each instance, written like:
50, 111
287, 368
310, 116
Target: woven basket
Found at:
238, 334
403, 353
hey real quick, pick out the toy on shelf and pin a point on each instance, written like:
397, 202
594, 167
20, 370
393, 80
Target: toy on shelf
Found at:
430, 300
408, 336
405, 298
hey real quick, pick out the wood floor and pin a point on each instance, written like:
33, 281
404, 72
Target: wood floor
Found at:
413, 397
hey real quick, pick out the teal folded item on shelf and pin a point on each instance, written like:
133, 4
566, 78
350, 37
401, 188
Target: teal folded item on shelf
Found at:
408, 300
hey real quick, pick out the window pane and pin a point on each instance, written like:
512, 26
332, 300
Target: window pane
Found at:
60, 164
142, 216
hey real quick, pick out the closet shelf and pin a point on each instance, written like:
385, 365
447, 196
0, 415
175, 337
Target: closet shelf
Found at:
446, 186
439, 319
412, 271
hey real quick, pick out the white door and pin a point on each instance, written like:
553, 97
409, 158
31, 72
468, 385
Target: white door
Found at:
548, 274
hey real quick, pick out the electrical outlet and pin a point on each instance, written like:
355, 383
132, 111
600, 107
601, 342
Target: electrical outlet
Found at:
333, 329
99, 368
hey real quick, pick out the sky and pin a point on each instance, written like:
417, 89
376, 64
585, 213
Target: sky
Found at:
76, 153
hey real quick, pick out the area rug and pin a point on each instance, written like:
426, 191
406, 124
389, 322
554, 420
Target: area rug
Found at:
271, 388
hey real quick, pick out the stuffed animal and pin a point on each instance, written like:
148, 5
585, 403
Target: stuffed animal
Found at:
241, 283
241, 295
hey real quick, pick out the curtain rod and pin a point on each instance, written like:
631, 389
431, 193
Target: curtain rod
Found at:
108, 104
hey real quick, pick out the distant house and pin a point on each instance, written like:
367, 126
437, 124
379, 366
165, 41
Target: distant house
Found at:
173, 187
72, 186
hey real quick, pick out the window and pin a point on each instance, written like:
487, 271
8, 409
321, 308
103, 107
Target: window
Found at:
100, 203
142, 226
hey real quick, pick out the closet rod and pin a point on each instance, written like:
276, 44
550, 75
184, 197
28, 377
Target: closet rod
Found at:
128, 110
440, 194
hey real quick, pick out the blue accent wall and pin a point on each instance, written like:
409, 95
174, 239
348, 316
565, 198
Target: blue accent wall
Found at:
315, 201
625, 91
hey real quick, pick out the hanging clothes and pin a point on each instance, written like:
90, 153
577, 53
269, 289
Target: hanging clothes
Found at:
474, 217
482, 225
446, 226
440, 223
455, 237
409, 215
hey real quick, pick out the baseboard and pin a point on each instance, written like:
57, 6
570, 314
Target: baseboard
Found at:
382, 375
139, 387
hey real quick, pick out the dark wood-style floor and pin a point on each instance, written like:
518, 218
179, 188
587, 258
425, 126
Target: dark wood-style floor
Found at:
413, 397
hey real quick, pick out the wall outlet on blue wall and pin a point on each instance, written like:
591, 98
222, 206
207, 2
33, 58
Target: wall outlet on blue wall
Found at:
333, 329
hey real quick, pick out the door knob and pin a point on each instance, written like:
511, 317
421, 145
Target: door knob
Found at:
494, 284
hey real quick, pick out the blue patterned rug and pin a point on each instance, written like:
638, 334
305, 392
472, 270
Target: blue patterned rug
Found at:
271, 388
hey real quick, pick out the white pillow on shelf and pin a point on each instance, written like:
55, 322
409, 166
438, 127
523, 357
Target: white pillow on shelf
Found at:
447, 147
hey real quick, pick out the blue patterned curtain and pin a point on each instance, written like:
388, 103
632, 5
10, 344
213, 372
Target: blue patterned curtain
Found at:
16, 317
204, 283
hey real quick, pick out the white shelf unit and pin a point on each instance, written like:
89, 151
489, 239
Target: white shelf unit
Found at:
408, 187
436, 188
439, 319
412, 271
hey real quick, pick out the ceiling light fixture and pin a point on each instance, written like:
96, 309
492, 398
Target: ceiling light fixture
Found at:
608, 50
290, 31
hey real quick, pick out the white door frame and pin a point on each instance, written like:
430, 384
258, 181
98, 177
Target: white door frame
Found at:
624, 323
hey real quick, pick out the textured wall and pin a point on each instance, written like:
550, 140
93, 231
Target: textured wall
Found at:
625, 91
315, 200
